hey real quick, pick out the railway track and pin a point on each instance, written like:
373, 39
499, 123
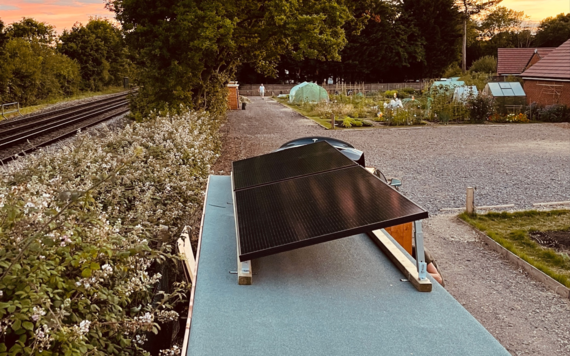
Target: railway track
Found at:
31, 132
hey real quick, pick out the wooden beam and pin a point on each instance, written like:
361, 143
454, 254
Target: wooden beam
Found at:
185, 250
244, 272
400, 260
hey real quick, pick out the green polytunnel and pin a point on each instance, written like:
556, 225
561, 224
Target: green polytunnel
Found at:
308, 92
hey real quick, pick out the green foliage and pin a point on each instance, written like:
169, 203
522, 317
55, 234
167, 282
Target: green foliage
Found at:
390, 93
187, 51
552, 113
100, 50
32, 71
452, 71
500, 19
82, 242
553, 31
32, 31
480, 107
479, 79
486, 64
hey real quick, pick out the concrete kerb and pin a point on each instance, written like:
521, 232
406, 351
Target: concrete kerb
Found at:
534, 272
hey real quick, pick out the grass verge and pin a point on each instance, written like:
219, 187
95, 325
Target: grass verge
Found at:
297, 108
44, 103
511, 230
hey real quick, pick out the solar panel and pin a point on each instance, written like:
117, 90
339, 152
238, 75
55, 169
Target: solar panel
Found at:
307, 209
287, 164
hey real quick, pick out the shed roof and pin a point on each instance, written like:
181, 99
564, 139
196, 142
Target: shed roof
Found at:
505, 89
555, 65
515, 60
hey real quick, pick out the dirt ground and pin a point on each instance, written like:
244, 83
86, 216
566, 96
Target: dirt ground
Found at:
522, 314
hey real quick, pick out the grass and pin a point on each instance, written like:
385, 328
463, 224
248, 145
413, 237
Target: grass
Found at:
45, 103
307, 114
511, 230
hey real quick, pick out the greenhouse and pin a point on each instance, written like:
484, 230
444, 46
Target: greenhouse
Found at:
462, 94
508, 96
308, 92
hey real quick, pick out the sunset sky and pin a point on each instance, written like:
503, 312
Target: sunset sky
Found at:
64, 13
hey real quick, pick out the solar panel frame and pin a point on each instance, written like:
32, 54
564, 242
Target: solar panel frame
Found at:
300, 192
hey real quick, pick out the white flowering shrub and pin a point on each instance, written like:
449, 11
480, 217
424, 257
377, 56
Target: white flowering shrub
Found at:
81, 236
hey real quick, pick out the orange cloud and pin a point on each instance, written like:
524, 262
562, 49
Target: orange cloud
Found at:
538, 10
59, 13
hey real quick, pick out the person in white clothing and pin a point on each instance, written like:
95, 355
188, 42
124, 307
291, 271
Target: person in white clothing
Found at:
262, 91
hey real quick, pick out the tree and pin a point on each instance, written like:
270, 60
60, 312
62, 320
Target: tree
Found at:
31, 71
553, 31
189, 49
100, 50
3, 35
470, 8
32, 30
501, 19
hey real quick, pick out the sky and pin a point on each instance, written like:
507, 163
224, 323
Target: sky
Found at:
64, 13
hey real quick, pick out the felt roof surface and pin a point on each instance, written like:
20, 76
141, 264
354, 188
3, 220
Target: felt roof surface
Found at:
342, 297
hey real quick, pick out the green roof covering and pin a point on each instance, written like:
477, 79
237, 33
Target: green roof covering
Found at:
308, 92
505, 89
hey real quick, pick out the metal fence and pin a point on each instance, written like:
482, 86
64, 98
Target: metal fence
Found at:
6, 112
276, 89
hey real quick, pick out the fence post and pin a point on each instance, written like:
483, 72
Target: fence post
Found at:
470, 202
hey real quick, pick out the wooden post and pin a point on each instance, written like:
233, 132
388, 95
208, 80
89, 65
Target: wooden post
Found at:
470, 202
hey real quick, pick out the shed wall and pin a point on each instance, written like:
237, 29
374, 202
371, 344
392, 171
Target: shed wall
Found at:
544, 92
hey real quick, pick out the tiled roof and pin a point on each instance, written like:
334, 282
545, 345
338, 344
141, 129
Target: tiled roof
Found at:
556, 65
515, 60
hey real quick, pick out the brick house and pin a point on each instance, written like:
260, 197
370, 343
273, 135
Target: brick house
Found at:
514, 61
548, 81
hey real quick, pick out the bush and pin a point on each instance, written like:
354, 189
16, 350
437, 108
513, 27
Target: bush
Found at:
552, 113
452, 71
486, 64
390, 93
480, 108
30, 72
82, 242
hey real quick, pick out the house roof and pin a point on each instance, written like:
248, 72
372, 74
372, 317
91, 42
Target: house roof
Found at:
555, 65
515, 60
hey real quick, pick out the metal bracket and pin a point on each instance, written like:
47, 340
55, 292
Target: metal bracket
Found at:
420, 254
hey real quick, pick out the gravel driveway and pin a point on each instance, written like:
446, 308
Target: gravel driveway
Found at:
508, 164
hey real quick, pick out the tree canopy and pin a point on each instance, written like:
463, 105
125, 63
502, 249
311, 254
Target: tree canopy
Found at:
188, 49
553, 31
99, 49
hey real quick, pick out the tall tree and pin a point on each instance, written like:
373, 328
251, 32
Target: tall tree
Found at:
32, 30
188, 49
100, 50
499, 20
470, 8
553, 31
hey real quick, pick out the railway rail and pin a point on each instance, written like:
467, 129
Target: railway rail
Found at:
26, 134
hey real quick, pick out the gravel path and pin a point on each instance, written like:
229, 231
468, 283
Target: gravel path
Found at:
509, 164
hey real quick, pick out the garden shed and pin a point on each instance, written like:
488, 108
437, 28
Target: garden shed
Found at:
508, 96
310, 92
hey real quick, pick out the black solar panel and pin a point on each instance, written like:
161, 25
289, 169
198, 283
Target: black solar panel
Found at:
307, 210
286, 164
